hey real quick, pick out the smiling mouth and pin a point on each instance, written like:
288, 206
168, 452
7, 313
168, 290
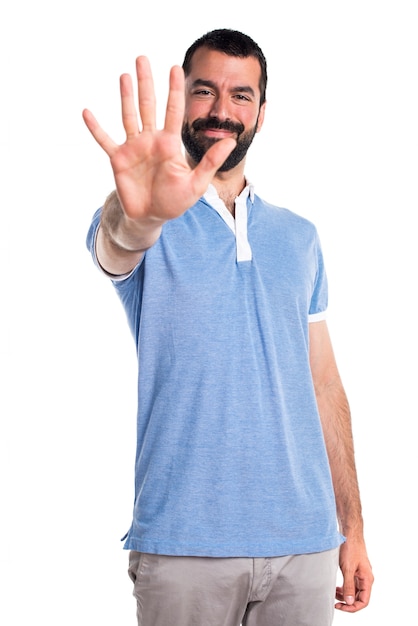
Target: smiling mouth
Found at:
216, 128
217, 132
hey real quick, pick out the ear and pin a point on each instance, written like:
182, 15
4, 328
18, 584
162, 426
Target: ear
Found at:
261, 117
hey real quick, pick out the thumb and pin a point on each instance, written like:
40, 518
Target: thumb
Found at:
215, 157
349, 591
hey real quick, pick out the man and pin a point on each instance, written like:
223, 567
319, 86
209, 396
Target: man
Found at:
244, 455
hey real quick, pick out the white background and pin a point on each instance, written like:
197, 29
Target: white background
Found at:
339, 146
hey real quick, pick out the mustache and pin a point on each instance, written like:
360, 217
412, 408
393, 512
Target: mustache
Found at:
214, 123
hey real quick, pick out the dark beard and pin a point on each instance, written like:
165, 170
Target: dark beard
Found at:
197, 145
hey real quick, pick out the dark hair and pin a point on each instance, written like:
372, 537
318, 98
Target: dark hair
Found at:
235, 44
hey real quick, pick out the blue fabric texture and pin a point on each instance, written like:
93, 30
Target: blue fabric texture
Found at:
230, 454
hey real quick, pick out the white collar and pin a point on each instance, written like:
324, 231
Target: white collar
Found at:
239, 224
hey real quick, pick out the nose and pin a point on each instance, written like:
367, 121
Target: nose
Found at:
220, 108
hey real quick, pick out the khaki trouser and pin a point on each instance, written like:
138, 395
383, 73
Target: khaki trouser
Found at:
202, 591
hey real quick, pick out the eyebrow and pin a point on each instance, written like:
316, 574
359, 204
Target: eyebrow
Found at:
200, 82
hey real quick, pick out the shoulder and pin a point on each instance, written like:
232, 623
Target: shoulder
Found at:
280, 221
282, 214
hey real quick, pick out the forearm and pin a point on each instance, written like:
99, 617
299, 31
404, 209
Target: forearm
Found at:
336, 422
121, 241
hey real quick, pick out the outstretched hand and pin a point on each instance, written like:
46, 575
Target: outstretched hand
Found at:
153, 178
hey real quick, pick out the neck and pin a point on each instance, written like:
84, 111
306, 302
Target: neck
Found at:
229, 185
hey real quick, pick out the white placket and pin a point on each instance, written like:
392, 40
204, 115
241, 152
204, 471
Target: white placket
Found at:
237, 225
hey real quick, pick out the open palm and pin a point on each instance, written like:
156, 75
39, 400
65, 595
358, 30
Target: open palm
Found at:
153, 178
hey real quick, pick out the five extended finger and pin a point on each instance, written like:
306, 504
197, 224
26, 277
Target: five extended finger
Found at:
102, 138
175, 102
146, 94
215, 157
129, 114
203, 173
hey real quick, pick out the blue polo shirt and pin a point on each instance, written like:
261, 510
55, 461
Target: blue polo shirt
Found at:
230, 456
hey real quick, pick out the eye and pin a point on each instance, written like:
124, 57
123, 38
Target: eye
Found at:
242, 98
202, 92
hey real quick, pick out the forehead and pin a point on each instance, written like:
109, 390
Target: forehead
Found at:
224, 69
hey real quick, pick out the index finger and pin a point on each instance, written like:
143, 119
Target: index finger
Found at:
175, 102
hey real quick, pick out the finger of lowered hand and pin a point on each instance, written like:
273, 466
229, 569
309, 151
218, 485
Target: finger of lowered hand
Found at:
358, 604
102, 138
146, 94
361, 600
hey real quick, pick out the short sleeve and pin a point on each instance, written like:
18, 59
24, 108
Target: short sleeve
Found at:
319, 300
